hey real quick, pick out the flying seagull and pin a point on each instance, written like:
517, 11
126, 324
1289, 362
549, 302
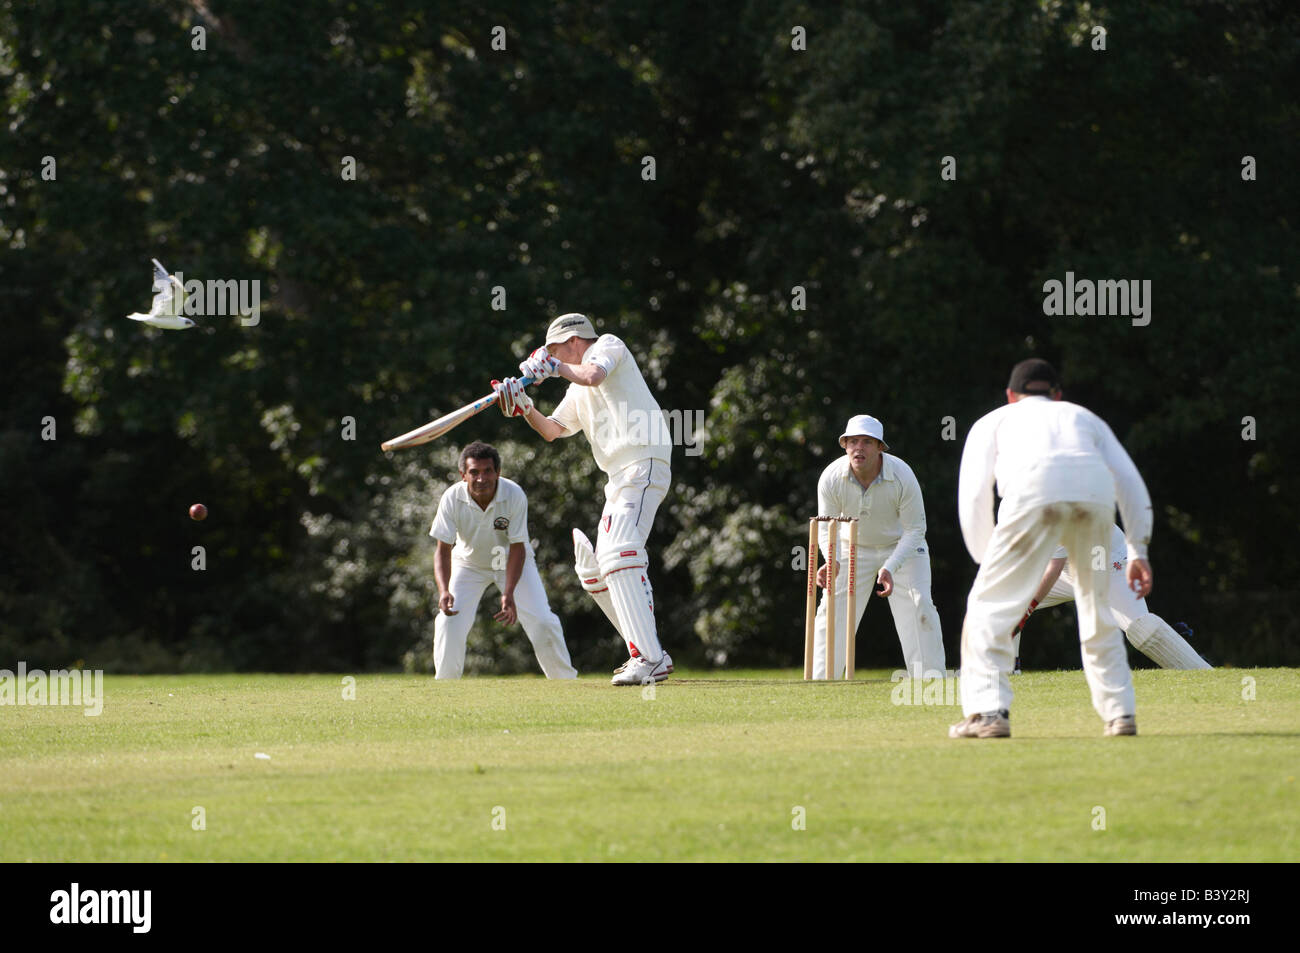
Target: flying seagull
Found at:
168, 302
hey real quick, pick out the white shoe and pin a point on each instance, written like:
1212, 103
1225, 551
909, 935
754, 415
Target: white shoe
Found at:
664, 668
638, 671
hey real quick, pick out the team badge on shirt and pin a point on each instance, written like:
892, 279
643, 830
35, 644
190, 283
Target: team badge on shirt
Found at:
501, 522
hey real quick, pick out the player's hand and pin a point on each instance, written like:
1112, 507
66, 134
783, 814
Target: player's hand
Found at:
511, 397
1138, 575
504, 403
821, 576
884, 582
508, 615
539, 365
445, 602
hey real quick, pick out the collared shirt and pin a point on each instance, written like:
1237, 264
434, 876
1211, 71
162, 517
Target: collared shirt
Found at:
890, 512
620, 416
483, 537
1042, 451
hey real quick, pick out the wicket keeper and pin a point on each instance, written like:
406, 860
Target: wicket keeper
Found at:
882, 492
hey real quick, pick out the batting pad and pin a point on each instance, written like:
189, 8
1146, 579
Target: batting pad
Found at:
1153, 637
589, 574
629, 589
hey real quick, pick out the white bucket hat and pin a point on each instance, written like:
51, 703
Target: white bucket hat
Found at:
864, 425
567, 325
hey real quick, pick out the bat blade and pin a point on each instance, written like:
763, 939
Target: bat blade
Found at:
436, 428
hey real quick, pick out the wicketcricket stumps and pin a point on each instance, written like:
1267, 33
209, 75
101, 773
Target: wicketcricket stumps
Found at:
810, 609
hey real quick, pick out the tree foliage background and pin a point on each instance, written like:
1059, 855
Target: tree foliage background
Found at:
523, 168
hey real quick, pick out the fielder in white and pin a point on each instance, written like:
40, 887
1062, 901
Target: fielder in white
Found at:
1058, 469
882, 493
486, 517
1147, 632
609, 401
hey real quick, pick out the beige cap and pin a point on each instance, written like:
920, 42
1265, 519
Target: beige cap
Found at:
567, 325
864, 425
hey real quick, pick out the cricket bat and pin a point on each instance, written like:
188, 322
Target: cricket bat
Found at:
436, 428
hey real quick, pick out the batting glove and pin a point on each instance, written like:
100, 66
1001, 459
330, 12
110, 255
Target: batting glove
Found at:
511, 397
504, 402
539, 366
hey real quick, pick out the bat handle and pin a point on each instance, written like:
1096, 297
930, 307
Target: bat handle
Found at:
525, 381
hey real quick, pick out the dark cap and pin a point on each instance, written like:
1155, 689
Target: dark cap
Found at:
1034, 376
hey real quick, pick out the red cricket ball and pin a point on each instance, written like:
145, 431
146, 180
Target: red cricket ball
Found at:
198, 512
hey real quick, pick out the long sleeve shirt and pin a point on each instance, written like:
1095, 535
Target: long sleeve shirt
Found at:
890, 511
1041, 451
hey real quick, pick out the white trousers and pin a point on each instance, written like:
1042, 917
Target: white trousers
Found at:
541, 625
632, 497
1021, 548
915, 616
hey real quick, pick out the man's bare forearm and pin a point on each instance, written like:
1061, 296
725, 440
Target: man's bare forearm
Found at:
546, 426
1052, 574
588, 375
442, 567
514, 568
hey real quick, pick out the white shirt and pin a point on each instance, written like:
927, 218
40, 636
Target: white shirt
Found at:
620, 416
889, 511
1043, 451
482, 536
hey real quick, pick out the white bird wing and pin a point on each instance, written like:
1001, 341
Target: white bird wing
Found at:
164, 301
178, 299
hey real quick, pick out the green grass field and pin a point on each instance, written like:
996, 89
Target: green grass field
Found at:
713, 767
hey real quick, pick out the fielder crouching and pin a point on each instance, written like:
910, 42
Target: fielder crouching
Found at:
883, 494
485, 516
1151, 635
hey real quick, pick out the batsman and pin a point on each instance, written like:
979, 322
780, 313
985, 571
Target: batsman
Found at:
609, 401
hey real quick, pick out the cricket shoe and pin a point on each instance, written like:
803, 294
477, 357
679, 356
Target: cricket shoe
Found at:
658, 677
638, 671
989, 724
1123, 725
634, 653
